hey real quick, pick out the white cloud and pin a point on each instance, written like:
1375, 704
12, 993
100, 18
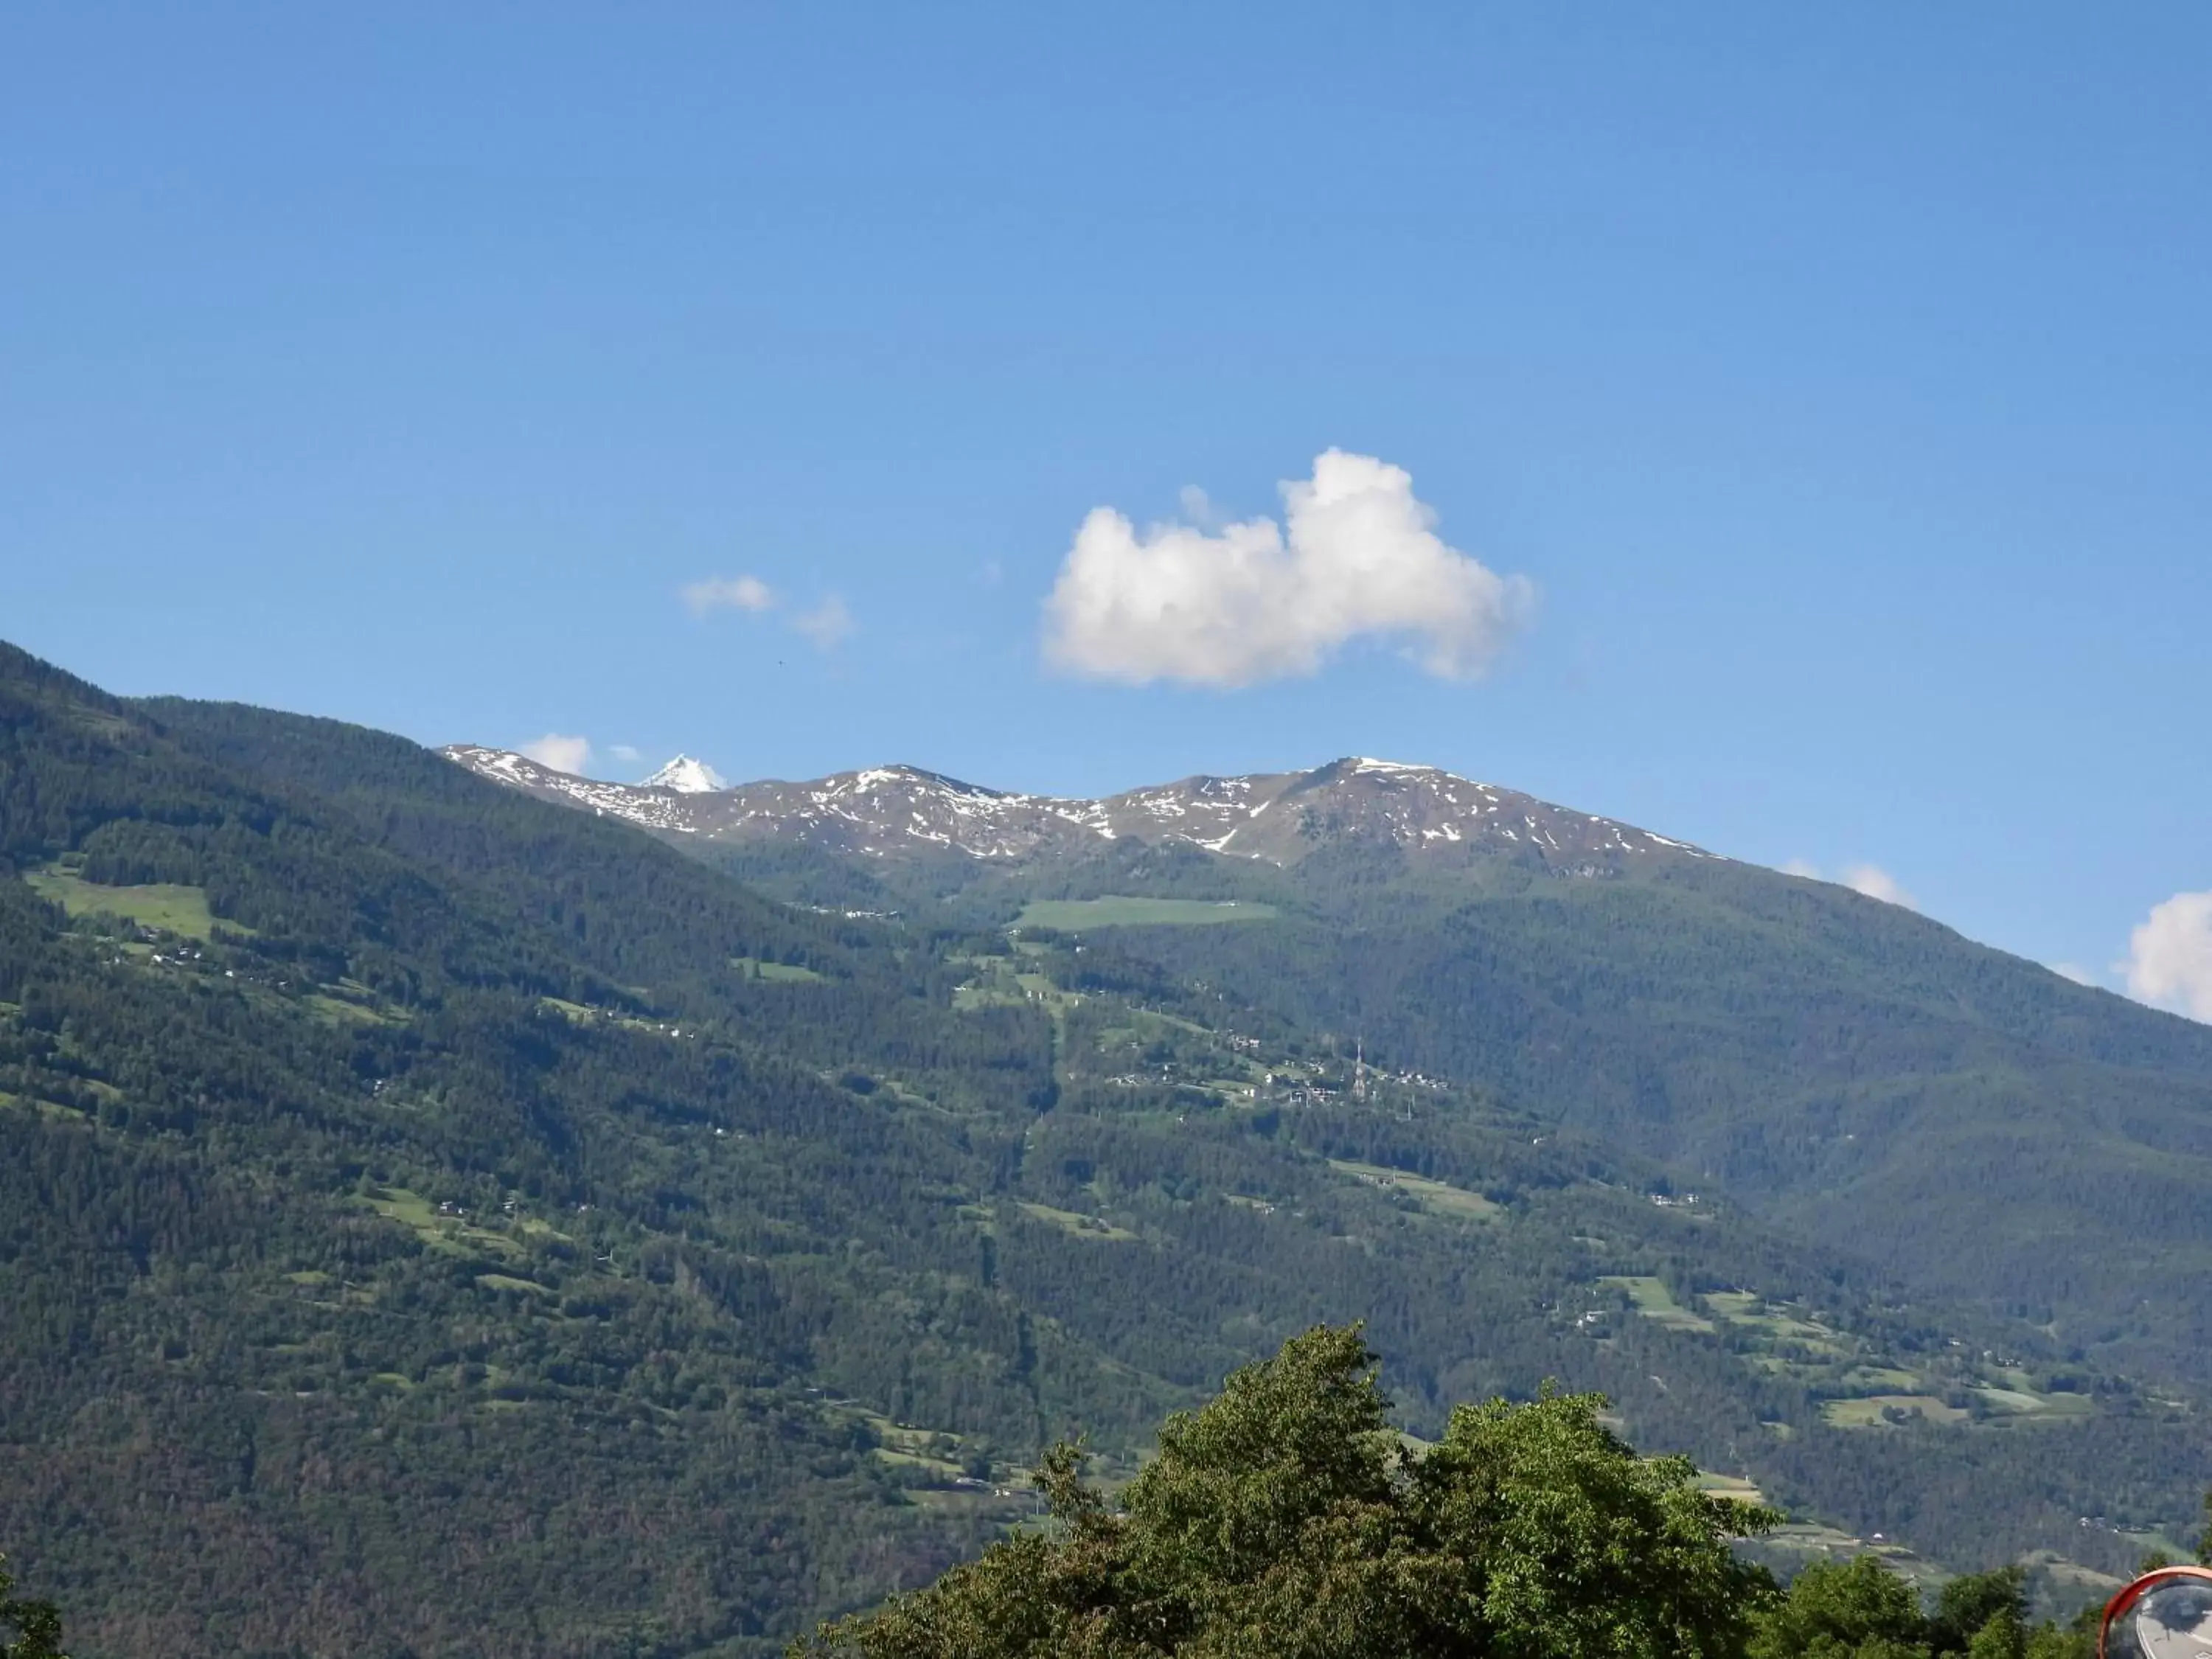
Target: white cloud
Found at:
2169, 960
727, 593
562, 754
2072, 970
623, 752
1235, 604
1870, 879
828, 625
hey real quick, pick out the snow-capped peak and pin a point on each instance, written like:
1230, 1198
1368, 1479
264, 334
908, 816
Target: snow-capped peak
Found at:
686, 777
1368, 765
1277, 817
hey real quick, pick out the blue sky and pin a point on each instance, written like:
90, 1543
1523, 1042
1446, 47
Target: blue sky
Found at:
1837, 380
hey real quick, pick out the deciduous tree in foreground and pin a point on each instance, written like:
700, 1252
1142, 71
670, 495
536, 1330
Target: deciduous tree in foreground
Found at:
1285, 1520
37, 1627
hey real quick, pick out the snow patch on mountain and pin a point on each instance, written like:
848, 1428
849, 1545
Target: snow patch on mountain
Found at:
686, 777
1276, 817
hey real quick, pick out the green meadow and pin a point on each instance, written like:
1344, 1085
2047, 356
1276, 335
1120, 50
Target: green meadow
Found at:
1072, 915
164, 905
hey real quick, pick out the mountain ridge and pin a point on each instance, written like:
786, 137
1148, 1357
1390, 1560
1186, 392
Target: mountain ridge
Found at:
1274, 817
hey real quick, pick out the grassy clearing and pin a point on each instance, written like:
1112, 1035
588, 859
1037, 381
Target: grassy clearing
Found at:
1146, 1024
2073, 1576
1082, 1226
339, 1011
349, 1002
449, 1235
1882, 1379
1798, 1544
1072, 915
1657, 1302
935, 1452
583, 1014
1434, 1197
1729, 1486
163, 905
944, 1468
2019, 1402
782, 973
1869, 1412
2172, 1548
1748, 1308
47, 1109
1016, 991
966, 997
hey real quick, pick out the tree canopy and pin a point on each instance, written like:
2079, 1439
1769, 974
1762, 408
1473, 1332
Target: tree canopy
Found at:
1287, 1518
37, 1625
1859, 1609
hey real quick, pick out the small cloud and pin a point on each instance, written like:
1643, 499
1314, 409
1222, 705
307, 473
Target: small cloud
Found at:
1870, 879
2072, 971
2169, 960
570, 755
990, 573
1237, 604
623, 752
727, 593
827, 626
1877, 882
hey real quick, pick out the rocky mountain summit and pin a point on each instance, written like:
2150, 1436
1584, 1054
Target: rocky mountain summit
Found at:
687, 776
1279, 817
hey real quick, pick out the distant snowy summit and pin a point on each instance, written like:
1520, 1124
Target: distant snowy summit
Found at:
686, 777
1277, 817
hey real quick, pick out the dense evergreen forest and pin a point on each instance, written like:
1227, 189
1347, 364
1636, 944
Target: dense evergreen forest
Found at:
433, 1221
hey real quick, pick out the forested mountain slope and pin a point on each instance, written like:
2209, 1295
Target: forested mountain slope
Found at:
1859, 1075
436, 1221
1855, 1072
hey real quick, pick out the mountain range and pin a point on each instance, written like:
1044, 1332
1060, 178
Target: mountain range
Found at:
1850, 1069
1276, 817
442, 1212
